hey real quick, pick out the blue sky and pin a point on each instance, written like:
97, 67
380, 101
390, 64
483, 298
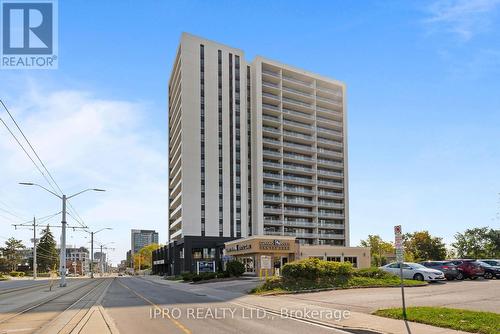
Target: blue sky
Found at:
423, 106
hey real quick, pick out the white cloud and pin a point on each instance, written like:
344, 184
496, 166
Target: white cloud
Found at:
88, 142
464, 18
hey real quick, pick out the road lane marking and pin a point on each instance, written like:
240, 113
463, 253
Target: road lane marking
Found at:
311, 322
177, 323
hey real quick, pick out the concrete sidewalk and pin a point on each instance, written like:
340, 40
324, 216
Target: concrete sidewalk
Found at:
287, 305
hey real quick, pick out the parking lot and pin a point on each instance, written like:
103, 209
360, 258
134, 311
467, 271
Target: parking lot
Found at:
480, 294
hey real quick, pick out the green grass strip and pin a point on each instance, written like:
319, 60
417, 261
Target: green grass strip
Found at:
464, 320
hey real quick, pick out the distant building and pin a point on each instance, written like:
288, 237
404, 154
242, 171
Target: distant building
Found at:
81, 256
129, 259
142, 238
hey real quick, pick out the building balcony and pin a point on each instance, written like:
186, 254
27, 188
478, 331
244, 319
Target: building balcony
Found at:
300, 224
271, 73
297, 102
270, 106
298, 92
297, 135
273, 210
271, 129
271, 153
299, 213
329, 131
336, 92
330, 215
330, 101
268, 198
297, 81
330, 236
329, 121
329, 111
298, 190
298, 168
298, 157
331, 194
298, 179
298, 124
272, 176
272, 187
299, 201
331, 183
330, 205
331, 225
330, 173
272, 164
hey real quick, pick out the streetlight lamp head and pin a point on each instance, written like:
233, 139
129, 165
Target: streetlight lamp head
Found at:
27, 183
97, 189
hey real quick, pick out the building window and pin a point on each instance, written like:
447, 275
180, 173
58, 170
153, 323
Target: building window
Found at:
221, 178
352, 259
238, 129
249, 157
231, 154
202, 135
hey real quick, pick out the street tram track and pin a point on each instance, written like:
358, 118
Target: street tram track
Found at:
5, 292
21, 316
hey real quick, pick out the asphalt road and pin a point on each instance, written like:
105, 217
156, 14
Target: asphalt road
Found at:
131, 303
480, 295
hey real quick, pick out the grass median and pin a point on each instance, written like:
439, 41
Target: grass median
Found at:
464, 320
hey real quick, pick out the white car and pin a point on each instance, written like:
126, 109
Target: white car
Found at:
414, 271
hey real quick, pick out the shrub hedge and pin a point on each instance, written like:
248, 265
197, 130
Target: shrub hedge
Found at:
235, 268
373, 273
16, 273
317, 270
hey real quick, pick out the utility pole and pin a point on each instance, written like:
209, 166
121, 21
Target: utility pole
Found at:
34, 248
62, 257
102, 263
64, 198
91, 254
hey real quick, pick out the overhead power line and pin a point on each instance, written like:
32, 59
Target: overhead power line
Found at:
50, 179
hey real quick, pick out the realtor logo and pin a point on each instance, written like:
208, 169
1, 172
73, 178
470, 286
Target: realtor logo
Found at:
29, 34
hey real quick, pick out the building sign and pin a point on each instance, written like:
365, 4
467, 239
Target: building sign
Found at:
238, 247
158, 262
274, 245
265, 262
205, 267
398, 243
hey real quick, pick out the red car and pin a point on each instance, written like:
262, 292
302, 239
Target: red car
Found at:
468, 268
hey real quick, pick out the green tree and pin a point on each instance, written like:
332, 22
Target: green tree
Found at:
421, 246
144, 256
379, 249
479, 242
47, 257
12, 253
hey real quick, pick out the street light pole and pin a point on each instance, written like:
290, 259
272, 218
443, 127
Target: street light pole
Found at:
92, 248
64, 198
34, 248
62, 257
92, 254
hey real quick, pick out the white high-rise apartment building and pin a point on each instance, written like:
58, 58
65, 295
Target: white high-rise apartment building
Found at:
255, 148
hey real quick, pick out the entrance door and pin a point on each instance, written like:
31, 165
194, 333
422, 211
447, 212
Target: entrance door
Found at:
249, 265
284, 260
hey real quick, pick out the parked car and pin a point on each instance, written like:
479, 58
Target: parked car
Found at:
491, 262
414, 271
449, 270
468, 268
489, 270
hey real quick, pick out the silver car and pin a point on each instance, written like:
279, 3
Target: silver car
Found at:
414, 271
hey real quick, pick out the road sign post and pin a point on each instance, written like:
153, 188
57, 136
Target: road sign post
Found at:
398, 243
